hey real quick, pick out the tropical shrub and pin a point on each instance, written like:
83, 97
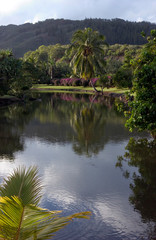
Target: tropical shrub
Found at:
104, 81
76, 82
15, 77
70, 82
85, 83
123, 78
56, 82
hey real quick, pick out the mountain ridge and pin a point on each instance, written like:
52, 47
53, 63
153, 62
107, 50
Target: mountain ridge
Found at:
29, 36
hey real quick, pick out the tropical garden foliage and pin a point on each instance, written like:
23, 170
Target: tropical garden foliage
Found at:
51, 64
15, 76
124, 75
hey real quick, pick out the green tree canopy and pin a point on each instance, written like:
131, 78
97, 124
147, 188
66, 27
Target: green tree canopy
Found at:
14, 75
143, 108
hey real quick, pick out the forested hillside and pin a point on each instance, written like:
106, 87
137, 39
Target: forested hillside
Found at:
29, 36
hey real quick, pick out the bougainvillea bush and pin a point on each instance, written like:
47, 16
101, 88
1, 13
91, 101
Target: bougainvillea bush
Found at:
75, 82
71, 82
94, 82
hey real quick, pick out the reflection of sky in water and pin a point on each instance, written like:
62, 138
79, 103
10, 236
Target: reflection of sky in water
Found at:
76, 183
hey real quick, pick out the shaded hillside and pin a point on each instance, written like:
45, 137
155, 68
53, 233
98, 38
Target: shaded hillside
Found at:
29, 36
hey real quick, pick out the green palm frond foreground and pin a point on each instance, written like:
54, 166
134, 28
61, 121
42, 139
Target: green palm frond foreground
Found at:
20, 216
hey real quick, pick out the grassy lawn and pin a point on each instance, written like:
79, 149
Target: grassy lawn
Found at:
78, 89
7, 97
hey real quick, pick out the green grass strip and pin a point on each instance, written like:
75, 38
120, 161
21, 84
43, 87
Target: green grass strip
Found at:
80, 89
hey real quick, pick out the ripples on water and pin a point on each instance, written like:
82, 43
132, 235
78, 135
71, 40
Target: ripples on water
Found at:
76, 151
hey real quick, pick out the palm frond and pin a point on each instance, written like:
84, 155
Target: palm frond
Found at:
30, 222
24, 184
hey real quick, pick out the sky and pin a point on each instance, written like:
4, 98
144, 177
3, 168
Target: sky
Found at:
23, 11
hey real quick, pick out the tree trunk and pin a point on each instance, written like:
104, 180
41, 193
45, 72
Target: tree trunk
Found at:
94, 86
51, 74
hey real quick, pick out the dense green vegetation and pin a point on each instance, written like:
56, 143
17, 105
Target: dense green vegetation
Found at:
50, 62
26, 37
15, 75
53, 64
143, 108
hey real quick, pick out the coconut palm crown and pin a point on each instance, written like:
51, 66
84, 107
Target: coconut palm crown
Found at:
87, 53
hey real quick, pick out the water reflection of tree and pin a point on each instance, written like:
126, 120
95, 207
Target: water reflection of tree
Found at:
12, 122
53, 110
58, 106
88, 124
79, 119
142, 155
10, 141
81, 114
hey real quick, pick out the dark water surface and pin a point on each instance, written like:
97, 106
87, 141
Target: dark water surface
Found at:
75, 141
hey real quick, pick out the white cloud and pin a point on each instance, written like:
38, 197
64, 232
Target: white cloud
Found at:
9, 6
19, 11
139, 19
119, 215
37, 18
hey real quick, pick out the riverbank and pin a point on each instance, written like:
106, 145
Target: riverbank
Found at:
107, 92
111, 92
78, 89
8, 100
42, 87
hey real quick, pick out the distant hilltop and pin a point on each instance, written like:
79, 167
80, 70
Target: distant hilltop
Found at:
28, 36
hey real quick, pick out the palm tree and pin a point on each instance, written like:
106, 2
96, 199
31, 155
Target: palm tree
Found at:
87, 53
20, 214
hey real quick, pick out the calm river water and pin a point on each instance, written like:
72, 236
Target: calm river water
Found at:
75, 141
